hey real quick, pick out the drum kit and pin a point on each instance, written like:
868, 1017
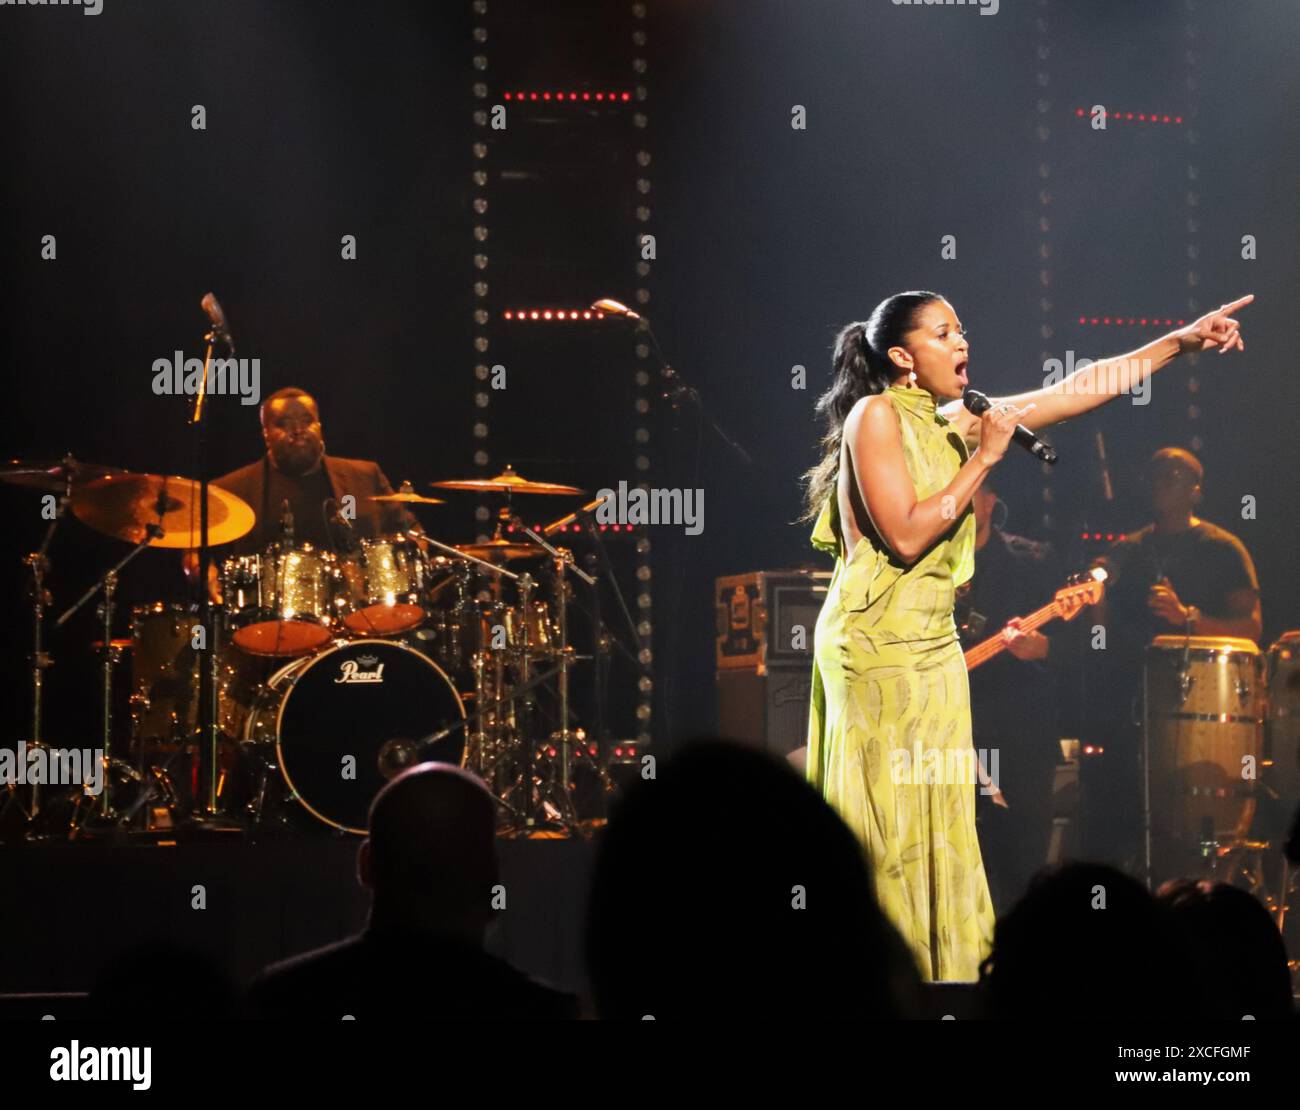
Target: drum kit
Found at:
334, 670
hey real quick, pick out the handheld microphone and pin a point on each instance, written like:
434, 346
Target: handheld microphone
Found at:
978, 404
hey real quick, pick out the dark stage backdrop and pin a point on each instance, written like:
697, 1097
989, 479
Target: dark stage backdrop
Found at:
921, 122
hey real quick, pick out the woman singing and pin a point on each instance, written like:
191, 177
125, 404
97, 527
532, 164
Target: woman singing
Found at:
892, 500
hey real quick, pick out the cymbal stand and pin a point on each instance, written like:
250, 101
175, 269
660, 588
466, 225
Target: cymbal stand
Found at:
559, 794
484, 746
425, 746
108, 586
38, 564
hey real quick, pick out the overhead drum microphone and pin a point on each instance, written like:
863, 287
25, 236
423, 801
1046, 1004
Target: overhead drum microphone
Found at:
220, 329
611, 307
978, 404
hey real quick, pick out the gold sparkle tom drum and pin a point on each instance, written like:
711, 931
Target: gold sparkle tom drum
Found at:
284, 602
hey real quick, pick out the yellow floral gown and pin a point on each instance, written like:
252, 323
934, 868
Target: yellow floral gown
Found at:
889, 677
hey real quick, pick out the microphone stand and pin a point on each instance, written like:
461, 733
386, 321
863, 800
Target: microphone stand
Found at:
676, 388
207, 812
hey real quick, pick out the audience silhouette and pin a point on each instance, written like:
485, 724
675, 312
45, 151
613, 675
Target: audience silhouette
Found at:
1238, 956
725, 886
1088, 943
430, 863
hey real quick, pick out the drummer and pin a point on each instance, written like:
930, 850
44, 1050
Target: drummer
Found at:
296, 489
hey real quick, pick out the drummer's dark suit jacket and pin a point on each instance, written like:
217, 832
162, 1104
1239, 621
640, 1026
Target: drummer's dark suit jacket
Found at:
359, 477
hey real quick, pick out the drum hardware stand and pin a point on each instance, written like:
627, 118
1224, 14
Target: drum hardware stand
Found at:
38, 564
490, 756
525, 585
600, 640
426, 744
559, 794
604, 638
108, 654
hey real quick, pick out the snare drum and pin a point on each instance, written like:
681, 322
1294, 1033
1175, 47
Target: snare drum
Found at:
387, 583
1204, 722
284, 602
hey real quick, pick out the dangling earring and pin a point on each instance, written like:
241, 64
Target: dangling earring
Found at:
912, 377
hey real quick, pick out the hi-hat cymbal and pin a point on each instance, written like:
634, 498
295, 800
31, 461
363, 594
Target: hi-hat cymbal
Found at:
406, 495
506, 482
123, 505
499, 549
407, 499
52, 476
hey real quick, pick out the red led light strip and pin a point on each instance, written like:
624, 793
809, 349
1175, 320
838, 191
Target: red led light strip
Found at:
569, 97
545, 314
1135, 117
578, 528
1129, 321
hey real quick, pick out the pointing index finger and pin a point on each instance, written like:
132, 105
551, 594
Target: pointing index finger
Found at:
1232, 306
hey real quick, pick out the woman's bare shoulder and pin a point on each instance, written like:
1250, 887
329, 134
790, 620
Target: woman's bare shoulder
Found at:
872, 412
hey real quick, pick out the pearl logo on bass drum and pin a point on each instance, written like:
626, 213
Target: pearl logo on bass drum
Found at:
350, 670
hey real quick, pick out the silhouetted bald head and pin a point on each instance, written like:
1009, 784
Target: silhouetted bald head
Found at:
430, 856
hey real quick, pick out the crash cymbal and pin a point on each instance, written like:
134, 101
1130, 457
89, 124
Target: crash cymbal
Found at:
499, 549
121, 505
52, 476
406, 496
505, 482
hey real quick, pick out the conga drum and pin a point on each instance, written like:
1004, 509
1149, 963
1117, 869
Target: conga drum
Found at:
1204, 722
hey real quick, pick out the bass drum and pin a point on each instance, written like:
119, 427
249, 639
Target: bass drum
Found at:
345, 721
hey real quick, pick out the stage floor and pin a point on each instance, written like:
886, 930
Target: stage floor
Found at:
71, 908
